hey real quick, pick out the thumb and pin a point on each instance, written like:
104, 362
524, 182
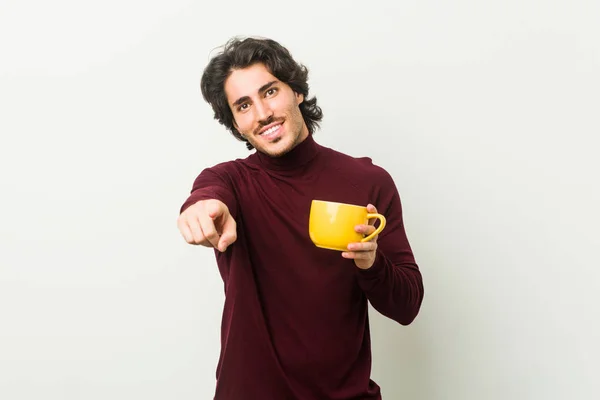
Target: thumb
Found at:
373, 210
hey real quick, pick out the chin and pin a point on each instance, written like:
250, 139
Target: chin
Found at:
276, 149
277, 152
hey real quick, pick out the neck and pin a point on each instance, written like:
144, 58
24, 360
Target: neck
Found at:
298, 156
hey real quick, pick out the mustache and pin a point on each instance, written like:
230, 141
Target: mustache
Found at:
265, 122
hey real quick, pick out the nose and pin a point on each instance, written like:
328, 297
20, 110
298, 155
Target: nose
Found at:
263, 111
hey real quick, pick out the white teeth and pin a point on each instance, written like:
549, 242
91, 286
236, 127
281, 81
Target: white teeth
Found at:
270, 130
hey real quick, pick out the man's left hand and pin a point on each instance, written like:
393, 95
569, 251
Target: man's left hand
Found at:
363, 253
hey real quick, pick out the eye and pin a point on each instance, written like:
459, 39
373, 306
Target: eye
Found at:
243, 107
271, 91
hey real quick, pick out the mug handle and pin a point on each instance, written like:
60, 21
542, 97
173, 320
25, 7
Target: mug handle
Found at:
381, 219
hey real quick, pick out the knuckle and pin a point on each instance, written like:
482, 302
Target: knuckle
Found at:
210, 235
197, 240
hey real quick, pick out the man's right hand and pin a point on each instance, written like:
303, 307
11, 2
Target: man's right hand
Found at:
208, 223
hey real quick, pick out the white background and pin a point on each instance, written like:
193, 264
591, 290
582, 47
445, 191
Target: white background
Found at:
485, 113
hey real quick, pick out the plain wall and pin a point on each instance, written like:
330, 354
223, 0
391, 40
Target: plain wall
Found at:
485, 113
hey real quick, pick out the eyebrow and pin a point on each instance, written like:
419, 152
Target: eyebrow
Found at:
262, 89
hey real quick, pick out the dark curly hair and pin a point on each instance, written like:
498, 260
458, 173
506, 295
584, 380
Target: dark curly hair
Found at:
241, 53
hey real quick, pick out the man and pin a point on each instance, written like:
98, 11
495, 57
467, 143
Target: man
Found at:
295, 322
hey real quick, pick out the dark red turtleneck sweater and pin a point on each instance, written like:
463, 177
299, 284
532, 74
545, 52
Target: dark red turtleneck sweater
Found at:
295, 323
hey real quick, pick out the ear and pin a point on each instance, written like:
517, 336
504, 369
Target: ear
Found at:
299, 98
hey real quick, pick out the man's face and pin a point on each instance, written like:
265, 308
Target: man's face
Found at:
265, 111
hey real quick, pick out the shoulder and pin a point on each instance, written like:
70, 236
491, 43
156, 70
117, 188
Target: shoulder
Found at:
226, 174
369, 178
362, 167
231, 167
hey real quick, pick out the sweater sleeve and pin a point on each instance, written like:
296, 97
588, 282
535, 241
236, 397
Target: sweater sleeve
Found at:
393, 285
213, 183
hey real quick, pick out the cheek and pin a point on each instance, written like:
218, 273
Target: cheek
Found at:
295, 111
287, 106
244, 122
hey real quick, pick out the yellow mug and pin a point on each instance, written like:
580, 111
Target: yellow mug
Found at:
331, 225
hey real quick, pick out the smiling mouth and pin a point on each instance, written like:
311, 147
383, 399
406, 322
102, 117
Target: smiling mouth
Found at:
273, 129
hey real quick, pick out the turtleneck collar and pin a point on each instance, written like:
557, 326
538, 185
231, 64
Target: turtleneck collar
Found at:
299, 156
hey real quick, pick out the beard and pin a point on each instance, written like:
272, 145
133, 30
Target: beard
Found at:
293, 134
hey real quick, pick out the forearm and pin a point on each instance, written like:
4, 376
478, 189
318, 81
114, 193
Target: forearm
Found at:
395, 290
